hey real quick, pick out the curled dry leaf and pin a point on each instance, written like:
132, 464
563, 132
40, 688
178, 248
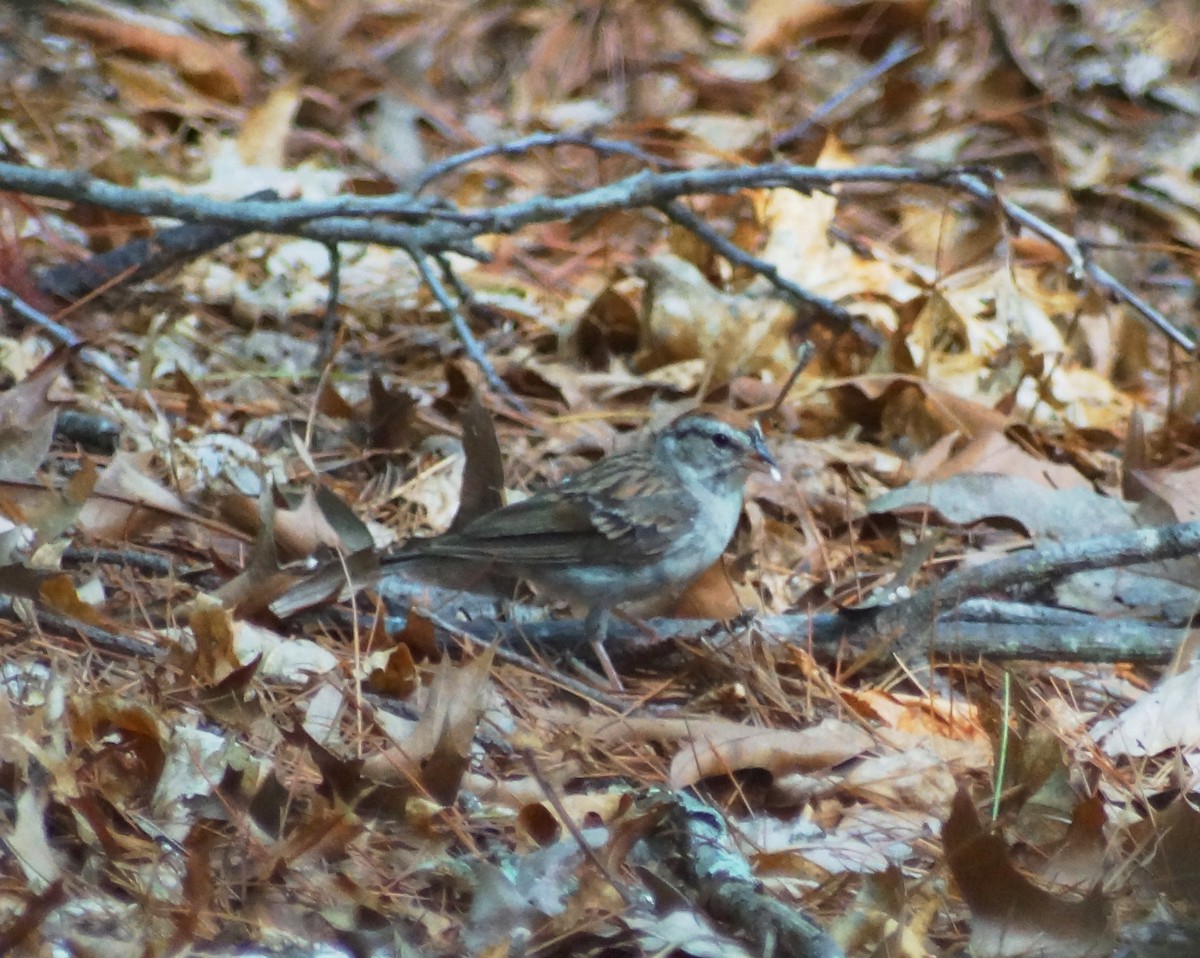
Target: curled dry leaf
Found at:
719, 748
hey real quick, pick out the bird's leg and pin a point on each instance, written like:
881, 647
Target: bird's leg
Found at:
638, 623
595, 626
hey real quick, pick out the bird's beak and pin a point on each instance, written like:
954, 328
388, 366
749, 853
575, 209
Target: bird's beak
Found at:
765, 462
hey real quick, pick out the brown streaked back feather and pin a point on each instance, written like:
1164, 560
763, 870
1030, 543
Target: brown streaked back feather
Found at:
582, 520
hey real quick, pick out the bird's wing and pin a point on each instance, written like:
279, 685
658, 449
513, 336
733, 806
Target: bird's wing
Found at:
586, 519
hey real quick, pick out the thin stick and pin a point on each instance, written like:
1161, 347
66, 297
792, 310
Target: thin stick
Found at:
827, 309
515, 147
897, 53
60, 334
804, 356
465, 336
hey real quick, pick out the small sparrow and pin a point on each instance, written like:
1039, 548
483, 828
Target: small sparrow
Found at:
634, 525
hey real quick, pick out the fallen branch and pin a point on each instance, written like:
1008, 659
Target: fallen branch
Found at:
140, 259
692, 844
1095, 640
426, 227
909, 621
938, 618
435, 226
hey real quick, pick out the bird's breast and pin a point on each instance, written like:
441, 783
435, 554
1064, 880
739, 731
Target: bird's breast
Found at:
697, 546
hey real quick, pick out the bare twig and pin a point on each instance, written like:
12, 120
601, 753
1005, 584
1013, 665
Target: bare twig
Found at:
804, 356
897, 53
1092, 639
470, 343
147, 562
824, 308
930, 617
329, 322
63, 336
914, 617
693, 844
436, 226
90, 431
102, 639
532, 142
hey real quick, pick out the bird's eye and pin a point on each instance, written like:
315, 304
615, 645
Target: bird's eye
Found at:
722, 441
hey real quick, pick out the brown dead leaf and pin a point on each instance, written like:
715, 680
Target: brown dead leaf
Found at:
393, 419
398, 677
114, 514
437, 753
197, 917
920, 714
329, 402
49, 512
1078, 862
483, 472
996, 452
321, 519
59, 595
215, 68
340, 778
20, 580
608, 326
253, 589
867, 401
539, 823
1069, 51
121, 747
263, 135
841, 838
302, 531
27, 418
157, 88
314, 840
1011, 916
1177, 490
420, 636
710, 596
916, 778
214, 657
880, 905
771, 24
199, 409
685, 317
29, 917
1174, 833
